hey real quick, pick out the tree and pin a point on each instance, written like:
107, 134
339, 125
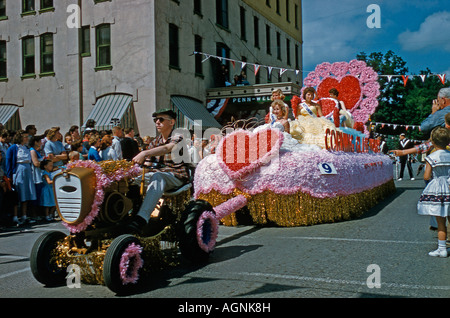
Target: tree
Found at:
401, 104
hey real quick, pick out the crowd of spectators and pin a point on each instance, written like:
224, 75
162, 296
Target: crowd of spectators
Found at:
29, 161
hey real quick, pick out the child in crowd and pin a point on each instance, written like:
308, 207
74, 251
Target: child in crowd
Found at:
435, 198
47, 196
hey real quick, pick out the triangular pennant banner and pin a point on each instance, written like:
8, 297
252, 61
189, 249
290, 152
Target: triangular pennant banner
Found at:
389, 77
270, 70
405, 79
442, 78
423, 77
206, 58
257, 68
243, 65
282, 71
234, 63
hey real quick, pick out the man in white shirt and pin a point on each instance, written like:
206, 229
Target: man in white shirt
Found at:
117, 134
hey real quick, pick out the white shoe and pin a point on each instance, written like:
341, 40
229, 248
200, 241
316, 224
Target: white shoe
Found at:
412, 179
399, 179
439, 253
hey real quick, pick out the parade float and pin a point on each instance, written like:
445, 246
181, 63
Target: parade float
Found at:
329, 173
336, 174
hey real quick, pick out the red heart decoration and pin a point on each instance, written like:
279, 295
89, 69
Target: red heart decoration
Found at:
242, 151
349, 92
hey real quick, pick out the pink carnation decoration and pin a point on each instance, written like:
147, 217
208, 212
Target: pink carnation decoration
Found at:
207, 240
130, 264
360, 101
102, 182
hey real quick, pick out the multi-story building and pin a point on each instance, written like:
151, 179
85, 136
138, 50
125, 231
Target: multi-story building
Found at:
63, 62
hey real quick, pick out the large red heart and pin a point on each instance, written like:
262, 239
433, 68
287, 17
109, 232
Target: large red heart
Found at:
349, 92
242, 151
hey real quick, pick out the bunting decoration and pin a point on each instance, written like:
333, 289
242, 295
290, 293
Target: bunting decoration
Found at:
405, 77
395, 126
256, 67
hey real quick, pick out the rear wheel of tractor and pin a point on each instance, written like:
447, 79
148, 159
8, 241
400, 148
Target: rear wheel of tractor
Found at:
197, 231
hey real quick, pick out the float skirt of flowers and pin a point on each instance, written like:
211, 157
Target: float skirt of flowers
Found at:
292, 191
301, 209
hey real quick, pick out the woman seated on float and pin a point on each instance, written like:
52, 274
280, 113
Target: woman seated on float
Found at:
310, 126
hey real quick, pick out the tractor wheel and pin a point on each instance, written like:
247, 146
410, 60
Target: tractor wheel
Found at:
197, 231
42, 262
122, 264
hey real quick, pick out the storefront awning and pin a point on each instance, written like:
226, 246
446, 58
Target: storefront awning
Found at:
113, 110
193, 110
9, 116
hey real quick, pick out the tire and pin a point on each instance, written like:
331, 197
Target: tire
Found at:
111, 264
192, 247
41, 266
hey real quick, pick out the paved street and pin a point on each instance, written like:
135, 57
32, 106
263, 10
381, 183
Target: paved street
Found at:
329, 260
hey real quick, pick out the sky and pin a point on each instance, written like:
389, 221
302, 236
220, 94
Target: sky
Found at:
416, 30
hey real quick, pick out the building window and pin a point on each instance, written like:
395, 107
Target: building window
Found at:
28, 6
174, 60
2, 9
256, 31
45, 4
296, 16
222, 13
28, 60
268, 45
198, 7
3, 73
277, 6
223, 67
297, 58
103, 46
288, 52
85, 49
198, 57
47, 54
287, 11
243, 24
279, 46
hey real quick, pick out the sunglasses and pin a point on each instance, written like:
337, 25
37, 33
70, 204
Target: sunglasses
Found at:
161, 119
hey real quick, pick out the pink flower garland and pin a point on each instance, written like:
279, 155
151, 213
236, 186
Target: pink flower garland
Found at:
367, 77
130, 263
102, 182
207, 244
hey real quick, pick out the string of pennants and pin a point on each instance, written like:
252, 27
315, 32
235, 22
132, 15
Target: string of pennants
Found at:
396, 137
395, 126
257, 67
422, 76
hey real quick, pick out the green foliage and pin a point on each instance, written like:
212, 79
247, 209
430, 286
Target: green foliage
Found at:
400, 104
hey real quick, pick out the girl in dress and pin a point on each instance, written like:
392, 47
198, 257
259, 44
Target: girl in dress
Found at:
310, 126
435, 198
47, 196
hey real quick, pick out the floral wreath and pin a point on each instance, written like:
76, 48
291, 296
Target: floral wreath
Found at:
206, 237
130, 264
104, 178
356, 82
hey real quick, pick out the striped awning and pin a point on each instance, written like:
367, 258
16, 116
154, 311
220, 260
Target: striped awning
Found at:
193, 110
111, 110
9, 116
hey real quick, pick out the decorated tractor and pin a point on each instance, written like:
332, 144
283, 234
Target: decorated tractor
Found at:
94, 201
